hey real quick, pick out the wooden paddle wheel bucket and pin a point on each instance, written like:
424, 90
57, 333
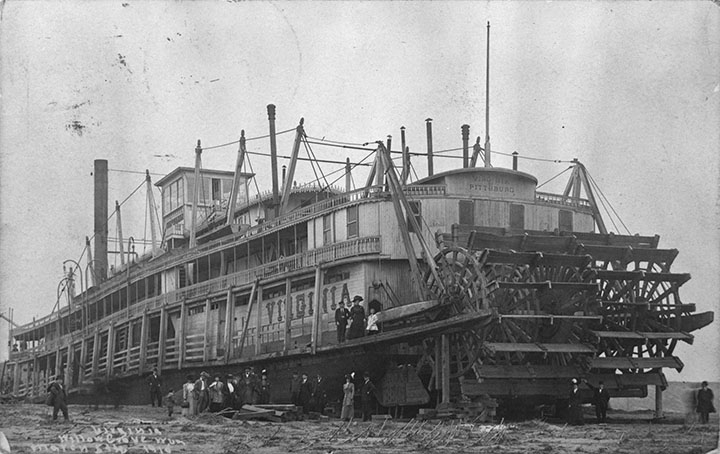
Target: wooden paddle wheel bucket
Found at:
571, 305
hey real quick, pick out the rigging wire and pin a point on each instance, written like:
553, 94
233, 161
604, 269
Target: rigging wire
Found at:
212, 147
597, 187
548, 181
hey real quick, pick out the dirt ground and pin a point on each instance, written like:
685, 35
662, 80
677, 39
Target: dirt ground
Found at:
29, 428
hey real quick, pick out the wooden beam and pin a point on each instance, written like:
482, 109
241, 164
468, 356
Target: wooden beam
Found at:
162, 338
251, 304
145, 321
528, 371
96, 354
229, 324
658, 402
258, 319
288, 322
445, 360
83, 353
538, 347
636, 363
316, 332
110, 350
206, 341
181, 338
642, 335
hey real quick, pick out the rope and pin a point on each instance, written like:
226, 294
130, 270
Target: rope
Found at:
548, 181
597, 187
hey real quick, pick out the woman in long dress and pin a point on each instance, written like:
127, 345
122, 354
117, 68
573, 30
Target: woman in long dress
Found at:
189, 397
348, 407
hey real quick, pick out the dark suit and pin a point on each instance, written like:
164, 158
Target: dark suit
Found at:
304, 395
601, 399
705, 404
341, 318
155, 394
59, 399
367, 399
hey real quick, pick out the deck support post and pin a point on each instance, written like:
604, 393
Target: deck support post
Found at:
110, 351
83, 354
181, 338
229, 324
316, 333
128, 343
206, 340
37, 390
288, 315
246, 324
96, 354
143, 342
436, 367
162, 338
258, 319
445, 355
658, 402
16, 378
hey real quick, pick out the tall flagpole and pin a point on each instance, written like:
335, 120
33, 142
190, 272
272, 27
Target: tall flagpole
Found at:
487, 100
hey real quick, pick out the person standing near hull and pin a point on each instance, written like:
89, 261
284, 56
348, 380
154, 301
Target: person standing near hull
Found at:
155, 385
368, 397
58, 394
705, 403
575, 416
348, 405
601, 399
189, 404
357, 319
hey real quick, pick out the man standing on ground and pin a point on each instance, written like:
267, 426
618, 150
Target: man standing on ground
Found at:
295, 389
201, 393
601, 399
368, 397
705, 403
155, 384
59, 397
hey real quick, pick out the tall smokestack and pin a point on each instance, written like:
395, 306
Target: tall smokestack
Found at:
466, 142
101, 216
428, 128
273, 160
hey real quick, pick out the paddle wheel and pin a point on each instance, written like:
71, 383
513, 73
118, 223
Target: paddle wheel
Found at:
598, 306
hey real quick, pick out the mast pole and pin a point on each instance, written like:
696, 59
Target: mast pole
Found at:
196, 196
119, 233
236, 180
273, 161
487, 100
151, 207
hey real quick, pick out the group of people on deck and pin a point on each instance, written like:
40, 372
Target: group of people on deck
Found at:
351, 321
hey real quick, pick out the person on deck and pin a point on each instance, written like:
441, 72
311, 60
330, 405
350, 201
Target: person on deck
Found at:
575, 415
372, 322
705, 403
348, 404
188, 403
155, 384
341, 319
601, 399
357, 319
368, 397
58, 396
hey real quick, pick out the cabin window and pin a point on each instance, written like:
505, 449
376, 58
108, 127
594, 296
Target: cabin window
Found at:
173, 196
352, 222
517, 216
196, 310
565, 221
327, 229
416, 212
216, 189
467, 212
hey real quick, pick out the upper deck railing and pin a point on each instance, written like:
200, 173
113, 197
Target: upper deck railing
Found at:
350, 248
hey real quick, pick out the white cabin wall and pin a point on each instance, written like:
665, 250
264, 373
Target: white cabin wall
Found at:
169, 280
340, 225
583, 222
492, 214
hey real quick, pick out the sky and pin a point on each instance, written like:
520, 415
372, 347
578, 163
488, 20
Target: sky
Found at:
631, 89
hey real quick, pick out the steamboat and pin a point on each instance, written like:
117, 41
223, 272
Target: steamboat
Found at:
484, 286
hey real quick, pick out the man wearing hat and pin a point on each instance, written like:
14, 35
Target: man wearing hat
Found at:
575, 416
341, 318
58, 396
357, 319
201, 393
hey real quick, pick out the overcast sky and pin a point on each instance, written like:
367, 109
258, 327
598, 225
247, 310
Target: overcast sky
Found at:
631, 89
